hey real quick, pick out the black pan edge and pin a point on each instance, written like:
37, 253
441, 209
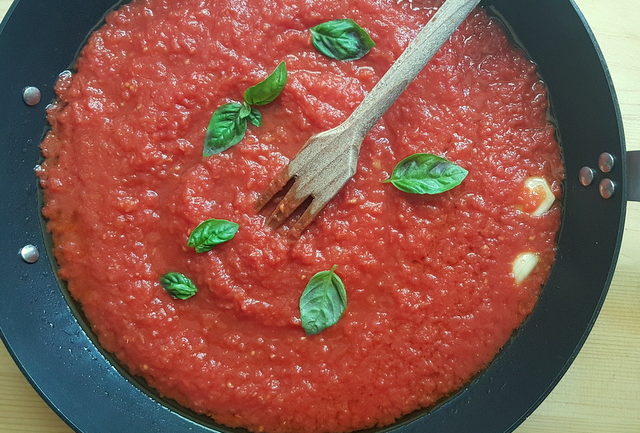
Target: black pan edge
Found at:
622, 161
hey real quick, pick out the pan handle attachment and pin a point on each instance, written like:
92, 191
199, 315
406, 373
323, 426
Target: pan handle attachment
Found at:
633, 170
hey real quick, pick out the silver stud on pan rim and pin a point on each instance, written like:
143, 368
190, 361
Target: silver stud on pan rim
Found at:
606, 162
607, 188
29, 253
586, 176
31, 96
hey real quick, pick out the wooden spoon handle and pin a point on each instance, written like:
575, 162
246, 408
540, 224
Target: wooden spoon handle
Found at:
437, 31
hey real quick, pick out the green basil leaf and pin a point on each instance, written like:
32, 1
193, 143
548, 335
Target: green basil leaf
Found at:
226, 129
178, 285
245, 111
424, 173
341, 39
211, 233
255, 117
268, 90
323, 302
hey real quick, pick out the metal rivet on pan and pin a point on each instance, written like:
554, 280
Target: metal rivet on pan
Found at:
606, 162
31, 96
30, 253
586, 176
607, 188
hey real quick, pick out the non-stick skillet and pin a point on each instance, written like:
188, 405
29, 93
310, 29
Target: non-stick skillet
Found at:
51, 342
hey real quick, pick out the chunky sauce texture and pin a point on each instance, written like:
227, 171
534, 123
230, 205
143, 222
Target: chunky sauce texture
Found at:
431, 295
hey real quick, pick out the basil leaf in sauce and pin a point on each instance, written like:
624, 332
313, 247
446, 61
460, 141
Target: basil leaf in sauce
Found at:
268, 90
424, 173
341, 39
228, 125
323, 302
245, 111
178, 285
255, 117
211, 233
226, 128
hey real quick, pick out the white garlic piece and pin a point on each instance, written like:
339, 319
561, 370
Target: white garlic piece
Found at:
523, 265
540, 187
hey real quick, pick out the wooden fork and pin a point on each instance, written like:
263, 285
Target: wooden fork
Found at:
329, 159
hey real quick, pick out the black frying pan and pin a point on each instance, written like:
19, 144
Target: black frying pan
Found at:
51, 342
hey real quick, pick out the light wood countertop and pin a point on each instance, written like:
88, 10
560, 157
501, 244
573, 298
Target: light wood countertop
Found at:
601, 391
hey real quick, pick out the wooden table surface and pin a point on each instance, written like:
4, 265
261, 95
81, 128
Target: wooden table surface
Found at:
601, 391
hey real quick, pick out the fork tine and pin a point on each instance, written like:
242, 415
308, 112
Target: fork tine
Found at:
286, 207
276, 185
306, 218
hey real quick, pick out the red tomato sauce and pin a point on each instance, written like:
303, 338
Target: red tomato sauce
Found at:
431, 295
